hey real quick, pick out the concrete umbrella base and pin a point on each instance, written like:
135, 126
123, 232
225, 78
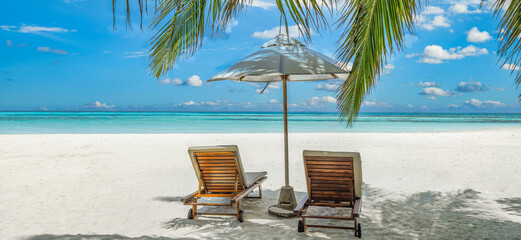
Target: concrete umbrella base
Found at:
287, 202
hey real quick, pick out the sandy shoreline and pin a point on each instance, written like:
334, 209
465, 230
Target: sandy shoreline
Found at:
129, 184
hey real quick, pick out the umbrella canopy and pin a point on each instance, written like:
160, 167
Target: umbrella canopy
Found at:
283, 56
284, 59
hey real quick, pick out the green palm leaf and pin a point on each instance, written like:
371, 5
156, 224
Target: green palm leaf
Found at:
374, 29
509, 31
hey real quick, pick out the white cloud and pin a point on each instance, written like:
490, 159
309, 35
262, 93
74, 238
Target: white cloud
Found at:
331, 86
271, 33
510, 67
387, 69
230, 25
259, 91
433, 10
475, 103
48, 49
316, 101
452, 106
463, 8
135, 54
428, 84
168, 81
474, 35
434, 91
471, 86
430, 24
194, 81
97, 105
263, 4
198, 104
7, 28
434, 54
274, 85
432, 97
35, 29
374, 103
273, 101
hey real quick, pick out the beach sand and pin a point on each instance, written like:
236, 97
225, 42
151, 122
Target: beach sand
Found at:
463, 185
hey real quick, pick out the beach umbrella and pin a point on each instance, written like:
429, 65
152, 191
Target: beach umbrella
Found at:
284, 59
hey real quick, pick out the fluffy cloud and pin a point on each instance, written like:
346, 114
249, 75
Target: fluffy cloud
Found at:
431, 23
316, 101
433, 10
48, 49
330, 86
263, 4
428, 84
510, 67
387, 69
471, 86
463, 8
374, 103
168, 81
97, 105
194, 81
274, 85
474, 35
210, 103
35, 29
434, 54
475, 103
271, 33
434, 91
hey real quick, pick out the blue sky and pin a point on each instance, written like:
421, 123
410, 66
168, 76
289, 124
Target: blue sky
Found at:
65, 55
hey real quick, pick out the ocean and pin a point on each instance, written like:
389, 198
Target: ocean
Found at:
250, 122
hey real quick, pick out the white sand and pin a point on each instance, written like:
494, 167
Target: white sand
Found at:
130, 184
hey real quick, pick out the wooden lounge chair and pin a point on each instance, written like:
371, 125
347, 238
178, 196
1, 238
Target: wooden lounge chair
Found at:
220, 174
334, 179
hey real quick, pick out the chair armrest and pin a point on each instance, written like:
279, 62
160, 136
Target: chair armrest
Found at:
189, 197
301, 204
356, 208
248, 190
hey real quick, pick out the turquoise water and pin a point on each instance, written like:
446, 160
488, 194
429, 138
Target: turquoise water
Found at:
177, 122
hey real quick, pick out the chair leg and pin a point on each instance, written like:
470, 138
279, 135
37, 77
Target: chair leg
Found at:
194, 209
238, 210
260, 191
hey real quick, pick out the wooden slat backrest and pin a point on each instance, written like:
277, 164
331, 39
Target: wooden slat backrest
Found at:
219, 172
329, 179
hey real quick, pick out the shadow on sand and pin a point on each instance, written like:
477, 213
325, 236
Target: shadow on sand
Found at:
425, 215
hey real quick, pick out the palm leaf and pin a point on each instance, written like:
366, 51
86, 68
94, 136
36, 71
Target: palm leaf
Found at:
181, 27
373, 29
307, 14
509, 31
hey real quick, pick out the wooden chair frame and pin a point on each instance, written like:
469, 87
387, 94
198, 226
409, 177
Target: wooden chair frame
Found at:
217, 172
235, 198
333, 176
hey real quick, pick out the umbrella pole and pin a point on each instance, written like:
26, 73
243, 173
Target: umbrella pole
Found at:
285, 106
287, 200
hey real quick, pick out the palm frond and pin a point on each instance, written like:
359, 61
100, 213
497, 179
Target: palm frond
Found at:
307, 14
181, 27
374, 29
509, 35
